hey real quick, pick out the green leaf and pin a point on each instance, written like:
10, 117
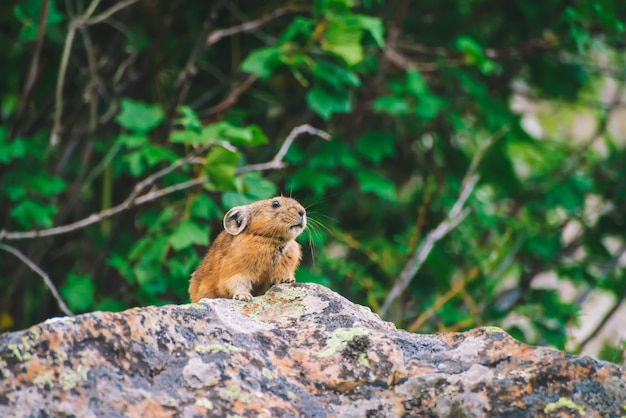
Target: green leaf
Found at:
189, 233
220, 168
219, 155
78, 292
132, 140
415, 83
258, 187
154, 154
372, 25
30, 212
470, 48
135, 163
545, 246
372, 182
570, 194
250, 135
335, 75
139, 116
46, 185
316, 180
393, 105
204, 207
187, 137
343, 41
11, 151
231, 199
375, 146
189, 119
262, 61
326, 102
28, 12
121, 264
254, 187
332, 154
300, 26
428, 106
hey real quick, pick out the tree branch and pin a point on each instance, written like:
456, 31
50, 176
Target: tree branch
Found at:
33, 70
74, 25
231, 99
251, 25
277, 162
456, 215
40, 272
135, 199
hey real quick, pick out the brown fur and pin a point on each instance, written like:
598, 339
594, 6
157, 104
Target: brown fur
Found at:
256, 250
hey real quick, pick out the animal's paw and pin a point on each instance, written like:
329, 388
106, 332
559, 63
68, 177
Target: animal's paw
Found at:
288, 280
245, 296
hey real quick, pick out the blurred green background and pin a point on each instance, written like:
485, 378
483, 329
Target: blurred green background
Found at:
141, 120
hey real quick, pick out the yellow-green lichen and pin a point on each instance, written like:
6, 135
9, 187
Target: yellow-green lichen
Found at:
258, 312
233, 392
44, 379
215, 348
363, 360
339, 338
233, 348
493, 329
267, 373
563, 403
290, 293
70, 378
209, 349
24, 350
205, 403
291, 395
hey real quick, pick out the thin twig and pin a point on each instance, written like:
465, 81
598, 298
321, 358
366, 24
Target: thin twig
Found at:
605, 319
456, 215
74, 25
135, 199
58, 101
251, 25
277, 161
231, 99
109, 12
442, 300
46, 279
33, 70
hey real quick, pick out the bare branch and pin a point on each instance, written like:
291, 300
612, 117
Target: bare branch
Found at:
135, 199
277, 161
75, 24
58, 102
456, 215
40, 272
33, 70
231, 99
110, 12
251, 25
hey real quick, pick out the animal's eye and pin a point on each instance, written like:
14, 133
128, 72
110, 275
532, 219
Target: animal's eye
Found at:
275, 204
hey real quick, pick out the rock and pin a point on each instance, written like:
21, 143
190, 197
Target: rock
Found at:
299, 350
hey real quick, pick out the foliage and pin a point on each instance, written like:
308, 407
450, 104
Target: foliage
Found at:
97, 102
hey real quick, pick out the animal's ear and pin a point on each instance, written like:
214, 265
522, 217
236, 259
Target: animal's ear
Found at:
236, 220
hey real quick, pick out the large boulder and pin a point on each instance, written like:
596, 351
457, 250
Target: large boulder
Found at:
299, 350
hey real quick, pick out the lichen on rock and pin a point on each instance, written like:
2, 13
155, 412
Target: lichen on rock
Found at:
299, 350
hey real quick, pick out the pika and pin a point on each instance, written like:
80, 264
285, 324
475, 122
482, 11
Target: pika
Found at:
256, 250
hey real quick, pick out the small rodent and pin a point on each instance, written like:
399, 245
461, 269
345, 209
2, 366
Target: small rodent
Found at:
256, 250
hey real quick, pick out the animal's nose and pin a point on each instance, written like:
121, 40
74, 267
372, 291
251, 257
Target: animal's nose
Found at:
301, 212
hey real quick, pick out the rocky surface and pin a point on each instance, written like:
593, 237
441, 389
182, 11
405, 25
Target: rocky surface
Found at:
299, 350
